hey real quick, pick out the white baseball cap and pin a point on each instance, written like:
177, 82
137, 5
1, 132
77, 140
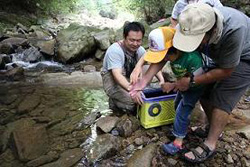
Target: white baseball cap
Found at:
159, 40
194, 22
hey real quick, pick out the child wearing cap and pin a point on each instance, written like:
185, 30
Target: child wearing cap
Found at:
183, 64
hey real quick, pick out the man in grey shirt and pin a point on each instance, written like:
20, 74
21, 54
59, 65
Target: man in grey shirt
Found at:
122, 66
223, 34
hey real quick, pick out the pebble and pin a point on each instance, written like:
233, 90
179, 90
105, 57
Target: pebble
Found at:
229, 159
245, 162
172, 161
130, 149
138, 141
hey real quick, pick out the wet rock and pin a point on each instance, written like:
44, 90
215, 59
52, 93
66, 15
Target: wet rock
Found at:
89, 68
99, 54
145, 139
51, 156
103, 147
7, 158
246, 112
107, 123
58, 113
41, 119
30, 142
14, 74
15, 42
45, 46
245, 132
127, 126
108, 14
8, 99
89, 120
228, 139
19, 124
20, 26
66, 126
4, 59
67, 158
28, 104
6, 48
39, 33
229, 159
143, 157
172, 161
6, 116
3, 143
50, 67
32, 55
139, 141
75, 43
88, 80
130, 149
102, 39
245, 162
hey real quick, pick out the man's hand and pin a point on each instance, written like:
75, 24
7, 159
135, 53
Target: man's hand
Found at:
167, 87
182, 84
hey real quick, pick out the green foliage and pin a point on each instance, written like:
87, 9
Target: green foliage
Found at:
150, 10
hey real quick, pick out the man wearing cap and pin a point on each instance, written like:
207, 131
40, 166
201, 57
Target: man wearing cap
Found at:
121, 59
223, 34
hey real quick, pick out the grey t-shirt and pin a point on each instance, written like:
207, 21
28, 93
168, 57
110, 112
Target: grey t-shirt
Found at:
115, 58
234, 44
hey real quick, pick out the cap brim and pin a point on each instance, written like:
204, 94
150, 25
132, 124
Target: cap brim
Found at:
186, 43
155, 57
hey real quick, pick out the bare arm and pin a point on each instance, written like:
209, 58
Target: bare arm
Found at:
213, 75
138, 70
152, 70
209, 77
120, 79
160, 77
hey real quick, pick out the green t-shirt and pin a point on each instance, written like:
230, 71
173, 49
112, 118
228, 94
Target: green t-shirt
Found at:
186, 64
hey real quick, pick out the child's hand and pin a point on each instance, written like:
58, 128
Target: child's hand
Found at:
135, 75
138, 86
137, 97
167, 87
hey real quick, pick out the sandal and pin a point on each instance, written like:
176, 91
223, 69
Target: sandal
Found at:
171, 148
199, 157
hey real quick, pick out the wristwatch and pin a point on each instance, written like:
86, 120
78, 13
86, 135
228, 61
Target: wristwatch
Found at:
191, 82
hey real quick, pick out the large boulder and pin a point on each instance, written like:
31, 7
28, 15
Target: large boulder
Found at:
103, 39
143, 157
105, 146
30, 142
15, 42
88, 80
75, 43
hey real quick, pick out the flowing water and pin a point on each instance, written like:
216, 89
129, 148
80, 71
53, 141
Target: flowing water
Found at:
67, 113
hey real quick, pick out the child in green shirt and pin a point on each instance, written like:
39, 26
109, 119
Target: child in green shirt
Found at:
183, 64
